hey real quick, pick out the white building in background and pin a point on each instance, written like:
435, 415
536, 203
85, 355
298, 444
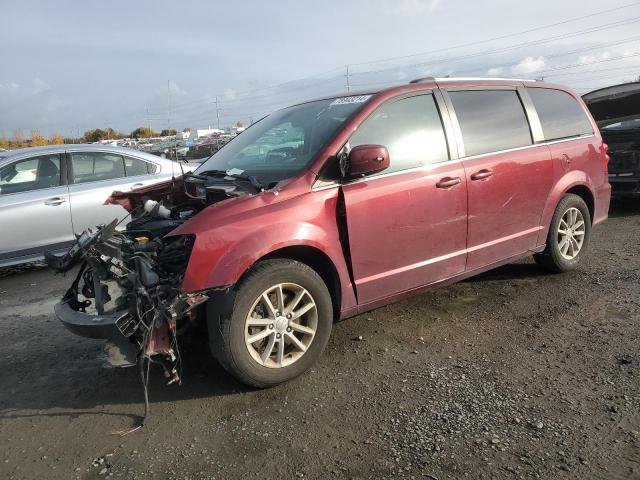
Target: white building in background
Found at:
208, 132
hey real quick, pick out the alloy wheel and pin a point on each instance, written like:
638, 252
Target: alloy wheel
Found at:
281, 325
571, 232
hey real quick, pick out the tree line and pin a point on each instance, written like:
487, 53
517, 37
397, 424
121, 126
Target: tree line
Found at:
98, 134
38, 139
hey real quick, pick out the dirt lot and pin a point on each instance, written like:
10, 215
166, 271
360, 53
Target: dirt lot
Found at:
515, 374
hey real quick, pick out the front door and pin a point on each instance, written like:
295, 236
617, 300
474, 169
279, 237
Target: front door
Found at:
407, 225
34, 207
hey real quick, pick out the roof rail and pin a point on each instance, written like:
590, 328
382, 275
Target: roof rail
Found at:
444, 79
423, 80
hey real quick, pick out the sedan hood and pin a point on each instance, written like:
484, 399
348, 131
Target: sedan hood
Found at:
614, 104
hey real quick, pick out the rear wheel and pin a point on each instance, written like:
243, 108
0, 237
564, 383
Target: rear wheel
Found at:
278, 325
568, 236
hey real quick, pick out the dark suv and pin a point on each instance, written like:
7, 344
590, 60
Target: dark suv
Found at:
616, 109
336, 206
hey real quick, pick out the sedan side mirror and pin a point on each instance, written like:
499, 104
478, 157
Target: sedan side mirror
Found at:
366, 160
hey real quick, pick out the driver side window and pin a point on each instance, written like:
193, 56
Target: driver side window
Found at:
410, 128
34, 173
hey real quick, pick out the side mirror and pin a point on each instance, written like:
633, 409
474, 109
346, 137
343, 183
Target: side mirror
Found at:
366, 160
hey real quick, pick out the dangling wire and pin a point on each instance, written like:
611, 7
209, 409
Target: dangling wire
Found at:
144, 379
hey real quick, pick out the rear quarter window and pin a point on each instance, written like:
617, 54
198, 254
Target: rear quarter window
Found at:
134, 167
560, 114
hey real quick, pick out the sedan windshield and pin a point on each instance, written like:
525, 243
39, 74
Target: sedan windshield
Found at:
633, 124
282, 144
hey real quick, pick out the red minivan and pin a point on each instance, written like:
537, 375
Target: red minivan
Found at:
336, 206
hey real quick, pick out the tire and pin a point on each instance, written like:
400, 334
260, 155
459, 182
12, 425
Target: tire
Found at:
230, 334
554, 258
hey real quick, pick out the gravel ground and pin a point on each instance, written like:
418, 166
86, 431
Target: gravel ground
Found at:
513, 374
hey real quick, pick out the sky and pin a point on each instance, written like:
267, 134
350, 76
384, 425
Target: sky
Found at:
69, 66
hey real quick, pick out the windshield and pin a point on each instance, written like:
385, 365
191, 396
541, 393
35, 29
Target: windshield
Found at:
282, 144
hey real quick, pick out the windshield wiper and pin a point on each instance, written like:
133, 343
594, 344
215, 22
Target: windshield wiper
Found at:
255, 183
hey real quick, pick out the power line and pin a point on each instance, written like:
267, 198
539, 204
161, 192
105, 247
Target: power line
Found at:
541, 41
608, 69
501, 37
239, 95
463, 57
565, 67
242, 97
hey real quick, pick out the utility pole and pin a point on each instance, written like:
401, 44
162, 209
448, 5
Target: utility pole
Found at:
217, 113
168, 103
148, 119
348, 80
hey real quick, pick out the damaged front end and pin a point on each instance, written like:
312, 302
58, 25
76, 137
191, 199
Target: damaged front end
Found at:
127, 289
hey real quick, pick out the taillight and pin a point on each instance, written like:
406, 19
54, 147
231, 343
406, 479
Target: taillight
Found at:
604, 153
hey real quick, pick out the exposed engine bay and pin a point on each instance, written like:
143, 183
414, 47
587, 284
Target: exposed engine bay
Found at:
128, 285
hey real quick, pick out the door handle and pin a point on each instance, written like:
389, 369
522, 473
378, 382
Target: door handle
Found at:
54, 201
137, 185
484, 173
448, 182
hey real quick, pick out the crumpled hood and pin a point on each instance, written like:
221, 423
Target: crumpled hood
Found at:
614, 104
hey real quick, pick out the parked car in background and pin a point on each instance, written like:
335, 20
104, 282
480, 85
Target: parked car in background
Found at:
48, 194
616, 109
333, 207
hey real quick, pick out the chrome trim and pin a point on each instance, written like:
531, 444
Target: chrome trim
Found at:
445, 117
535, 126
385, 175
473, 88
508, 150
456, 79
568, 139
21, 156
3, 195
454, 123
529, 146
325, 187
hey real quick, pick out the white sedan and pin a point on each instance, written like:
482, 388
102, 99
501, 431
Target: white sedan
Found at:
48, 194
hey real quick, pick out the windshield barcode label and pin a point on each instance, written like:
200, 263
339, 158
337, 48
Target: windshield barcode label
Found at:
346, 100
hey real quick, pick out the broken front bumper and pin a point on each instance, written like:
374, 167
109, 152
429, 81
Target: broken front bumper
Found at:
88, 325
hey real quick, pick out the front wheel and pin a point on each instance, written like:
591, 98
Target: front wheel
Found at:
278, 326
568, 236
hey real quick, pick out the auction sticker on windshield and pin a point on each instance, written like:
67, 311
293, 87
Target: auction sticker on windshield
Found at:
354, 99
